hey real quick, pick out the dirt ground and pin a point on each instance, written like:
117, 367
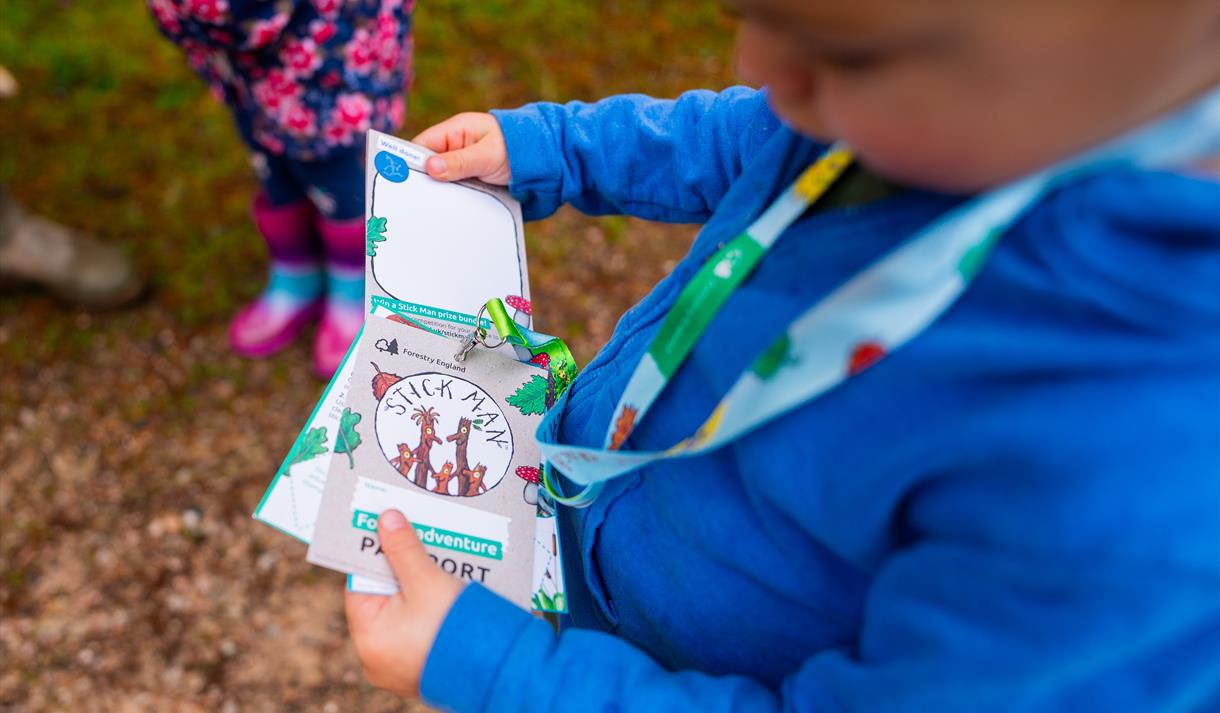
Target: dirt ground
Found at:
134, 446
134, 578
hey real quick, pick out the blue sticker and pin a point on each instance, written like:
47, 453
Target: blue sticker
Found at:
392, 168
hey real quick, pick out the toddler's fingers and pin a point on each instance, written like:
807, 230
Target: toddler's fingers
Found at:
457, 132
406, 554
482, 160
468, 145
361, 610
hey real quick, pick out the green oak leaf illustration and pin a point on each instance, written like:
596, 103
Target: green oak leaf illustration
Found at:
311, 445
531, 397
773, 358
374, 232
348, 438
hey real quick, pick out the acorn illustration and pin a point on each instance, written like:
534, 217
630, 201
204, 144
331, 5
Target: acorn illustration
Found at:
383, 381
532, 476
520, 306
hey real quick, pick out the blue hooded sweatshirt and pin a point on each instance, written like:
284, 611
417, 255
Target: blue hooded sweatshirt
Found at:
1019, 510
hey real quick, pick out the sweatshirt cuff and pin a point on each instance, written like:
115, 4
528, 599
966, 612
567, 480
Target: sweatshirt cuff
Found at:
472, 649
533, 159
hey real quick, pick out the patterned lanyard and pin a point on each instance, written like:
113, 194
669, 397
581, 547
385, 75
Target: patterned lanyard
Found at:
869, 316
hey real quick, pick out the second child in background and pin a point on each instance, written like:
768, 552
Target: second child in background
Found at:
305, 80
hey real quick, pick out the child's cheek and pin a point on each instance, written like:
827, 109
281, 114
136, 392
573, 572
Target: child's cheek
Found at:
901, 141
913, 160
904, 145
882, 139
801, 115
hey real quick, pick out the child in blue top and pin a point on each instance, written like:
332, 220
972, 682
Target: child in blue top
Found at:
1018, 509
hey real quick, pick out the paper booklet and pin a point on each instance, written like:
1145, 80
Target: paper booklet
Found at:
435, 252
443, 443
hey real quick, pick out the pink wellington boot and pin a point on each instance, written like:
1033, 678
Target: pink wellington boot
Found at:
343, 311
292, 299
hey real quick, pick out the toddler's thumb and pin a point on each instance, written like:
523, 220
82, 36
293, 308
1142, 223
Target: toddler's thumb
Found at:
474, 161
403, 550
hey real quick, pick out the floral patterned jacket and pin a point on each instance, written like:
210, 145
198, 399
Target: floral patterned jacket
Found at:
305, 76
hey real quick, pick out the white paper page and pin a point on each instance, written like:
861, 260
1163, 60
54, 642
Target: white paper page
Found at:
449, 246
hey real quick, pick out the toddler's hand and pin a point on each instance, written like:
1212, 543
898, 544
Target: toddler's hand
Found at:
468, 145
393, 635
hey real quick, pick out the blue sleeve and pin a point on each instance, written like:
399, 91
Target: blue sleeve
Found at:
1080, 575
520, 664
951, 628
664, 160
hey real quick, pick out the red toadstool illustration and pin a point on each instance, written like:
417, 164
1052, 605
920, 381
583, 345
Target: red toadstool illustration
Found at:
520, 304
533, 481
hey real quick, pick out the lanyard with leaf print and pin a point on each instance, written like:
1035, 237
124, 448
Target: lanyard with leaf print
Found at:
870, 315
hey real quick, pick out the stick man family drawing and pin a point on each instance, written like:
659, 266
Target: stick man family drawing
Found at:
441, 433
469, 480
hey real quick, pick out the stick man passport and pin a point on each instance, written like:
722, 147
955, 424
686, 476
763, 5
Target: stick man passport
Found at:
434, 252
443, 444
403, 424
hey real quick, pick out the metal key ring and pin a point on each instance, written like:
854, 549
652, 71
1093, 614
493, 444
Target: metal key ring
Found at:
481, 332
